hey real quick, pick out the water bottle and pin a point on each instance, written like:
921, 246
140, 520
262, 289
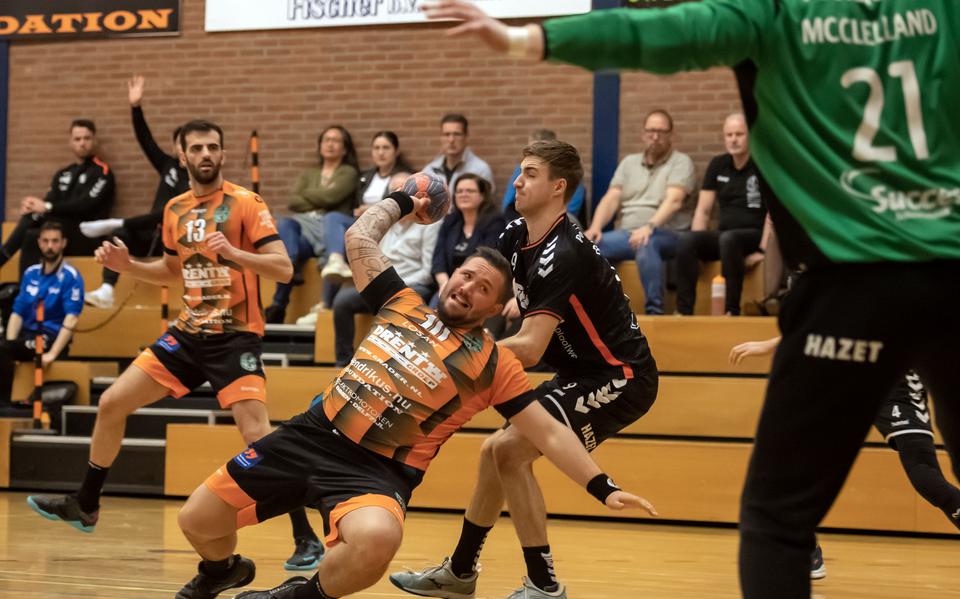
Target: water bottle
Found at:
718, 296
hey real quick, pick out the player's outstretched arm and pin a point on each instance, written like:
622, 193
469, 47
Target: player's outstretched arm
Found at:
115, 256
753, 348
363, 237
562, 447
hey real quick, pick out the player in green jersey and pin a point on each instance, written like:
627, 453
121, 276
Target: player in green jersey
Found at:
853, 126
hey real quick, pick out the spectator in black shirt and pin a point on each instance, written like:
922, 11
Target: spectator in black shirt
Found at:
732, 181
140, 232
81, 191
474, 222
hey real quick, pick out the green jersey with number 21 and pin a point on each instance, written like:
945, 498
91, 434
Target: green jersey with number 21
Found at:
858, 130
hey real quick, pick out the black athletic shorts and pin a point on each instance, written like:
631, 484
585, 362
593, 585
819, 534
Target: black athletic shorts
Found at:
231, 362
905, 411
306, 462
597, 407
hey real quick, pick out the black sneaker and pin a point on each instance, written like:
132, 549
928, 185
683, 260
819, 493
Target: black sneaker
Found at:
65, 508
204, 586
306, 556
817, 569
275, 314
285, 591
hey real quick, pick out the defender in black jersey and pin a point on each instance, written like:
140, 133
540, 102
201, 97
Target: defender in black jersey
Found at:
577, 319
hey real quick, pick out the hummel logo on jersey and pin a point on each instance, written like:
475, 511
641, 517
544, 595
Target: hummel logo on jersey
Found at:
546, 259
923, 416
601, 396
955, 515
842, 349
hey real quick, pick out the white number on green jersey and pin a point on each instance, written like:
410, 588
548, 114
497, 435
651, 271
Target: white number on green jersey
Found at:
863, 148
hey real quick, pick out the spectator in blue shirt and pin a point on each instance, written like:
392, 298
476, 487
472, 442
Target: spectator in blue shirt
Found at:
574, 206
60, 287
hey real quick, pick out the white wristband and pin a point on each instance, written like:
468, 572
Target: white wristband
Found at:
519, 38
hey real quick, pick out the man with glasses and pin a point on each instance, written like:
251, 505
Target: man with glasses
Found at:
648, 190
455, 157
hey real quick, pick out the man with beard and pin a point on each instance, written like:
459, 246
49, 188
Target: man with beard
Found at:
364, 444
218, 239
60, 287
81, 191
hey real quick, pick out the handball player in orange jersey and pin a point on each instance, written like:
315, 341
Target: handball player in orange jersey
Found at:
363, 446
218, 240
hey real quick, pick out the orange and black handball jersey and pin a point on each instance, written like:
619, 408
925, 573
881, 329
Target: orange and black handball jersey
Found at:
219, 296
413, 381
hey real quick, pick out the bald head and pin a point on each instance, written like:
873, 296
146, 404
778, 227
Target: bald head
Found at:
735, 136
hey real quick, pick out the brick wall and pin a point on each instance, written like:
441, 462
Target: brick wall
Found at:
290, 84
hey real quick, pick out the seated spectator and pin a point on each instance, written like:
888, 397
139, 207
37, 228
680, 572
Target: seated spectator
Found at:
456, 158
373, 187
648, 190
81, 191
574, 206
60, 287
409, 247
140, 233
320, 190
473, 222
732, 181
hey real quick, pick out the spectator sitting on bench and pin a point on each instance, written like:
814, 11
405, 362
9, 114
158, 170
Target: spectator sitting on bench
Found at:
374, 186
732, 181
81, 191
140, 233
60, 287
328, 187
456, 158
649, 191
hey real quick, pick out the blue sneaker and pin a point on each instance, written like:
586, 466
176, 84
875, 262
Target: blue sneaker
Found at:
306, 556
65, 508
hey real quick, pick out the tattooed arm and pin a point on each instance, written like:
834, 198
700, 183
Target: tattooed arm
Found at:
363, 239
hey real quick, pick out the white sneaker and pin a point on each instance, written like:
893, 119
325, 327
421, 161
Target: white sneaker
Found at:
337, 270
101, 297
100, 228
309, 319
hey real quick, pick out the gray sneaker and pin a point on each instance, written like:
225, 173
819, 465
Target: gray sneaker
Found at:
531, 591
436, 581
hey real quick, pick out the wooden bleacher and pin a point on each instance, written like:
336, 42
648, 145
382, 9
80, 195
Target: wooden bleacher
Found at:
7, 426
688, 455
752, 288
75, 371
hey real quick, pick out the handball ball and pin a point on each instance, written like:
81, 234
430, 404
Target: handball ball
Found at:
428, 185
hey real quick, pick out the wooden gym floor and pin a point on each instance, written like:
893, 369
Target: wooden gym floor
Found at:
137, 551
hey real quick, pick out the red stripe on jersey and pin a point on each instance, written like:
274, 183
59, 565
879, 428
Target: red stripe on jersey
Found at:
545, 235
595, 337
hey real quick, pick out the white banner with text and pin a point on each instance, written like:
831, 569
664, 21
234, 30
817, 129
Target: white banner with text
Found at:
249, 15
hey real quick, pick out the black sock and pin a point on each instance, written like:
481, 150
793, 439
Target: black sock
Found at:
301, 526
89, 494
463, 562
540, 567
217, 569
312, 590
919, 458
